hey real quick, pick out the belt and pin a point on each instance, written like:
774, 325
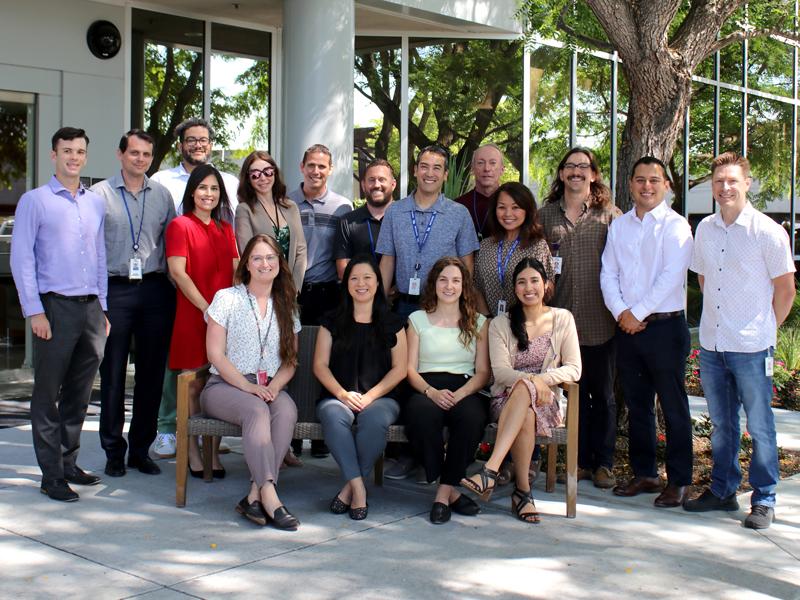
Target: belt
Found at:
125, 279
408, 298
663, 315
81, 299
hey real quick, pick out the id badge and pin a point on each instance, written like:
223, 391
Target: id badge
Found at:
262, 378
557, 260
769, 366
413, 286
501, 307
135, 268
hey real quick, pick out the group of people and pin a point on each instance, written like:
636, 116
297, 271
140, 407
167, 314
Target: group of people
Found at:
432, 313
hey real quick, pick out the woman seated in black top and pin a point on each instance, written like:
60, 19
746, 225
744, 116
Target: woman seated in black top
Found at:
360, 357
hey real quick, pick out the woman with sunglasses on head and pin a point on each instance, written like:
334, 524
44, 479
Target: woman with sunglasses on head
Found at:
448, 365
533, 347
252, 346
264, 208
201, 257
360, 358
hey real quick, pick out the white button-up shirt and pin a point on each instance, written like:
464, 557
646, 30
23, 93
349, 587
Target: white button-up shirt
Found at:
645, 262
739, 262
176, 178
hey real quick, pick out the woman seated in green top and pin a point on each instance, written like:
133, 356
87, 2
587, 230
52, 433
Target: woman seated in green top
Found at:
448, 364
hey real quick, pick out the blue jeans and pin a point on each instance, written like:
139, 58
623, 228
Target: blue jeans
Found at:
731, 380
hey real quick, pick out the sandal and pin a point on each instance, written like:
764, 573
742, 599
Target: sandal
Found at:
482, 489
519, 500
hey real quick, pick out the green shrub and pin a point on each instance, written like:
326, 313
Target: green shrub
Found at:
788, 350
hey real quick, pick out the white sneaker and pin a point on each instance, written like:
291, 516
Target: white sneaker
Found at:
164, 446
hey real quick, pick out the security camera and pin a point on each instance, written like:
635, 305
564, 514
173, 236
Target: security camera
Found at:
103, 39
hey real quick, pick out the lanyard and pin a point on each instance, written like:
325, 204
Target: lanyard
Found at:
262, 342
134, 238
421, 244
475, 212
371, 239
502, 265
276, 222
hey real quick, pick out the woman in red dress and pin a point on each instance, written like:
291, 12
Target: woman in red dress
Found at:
202, 257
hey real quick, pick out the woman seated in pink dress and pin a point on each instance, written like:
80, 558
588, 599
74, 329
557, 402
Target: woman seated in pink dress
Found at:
532, 348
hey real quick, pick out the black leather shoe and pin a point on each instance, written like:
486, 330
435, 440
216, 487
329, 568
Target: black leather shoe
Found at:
58, 489
440, 513
145, 465
283, 519
252, 511
639, 485
708, 501
319, 449
115, 467
465, 506
80, 477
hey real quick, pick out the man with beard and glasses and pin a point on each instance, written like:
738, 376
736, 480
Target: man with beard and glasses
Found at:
195, 141
195, 138
359, 229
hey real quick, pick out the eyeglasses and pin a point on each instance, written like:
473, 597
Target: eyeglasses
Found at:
266, 172
581, 166
193, 141
257, 259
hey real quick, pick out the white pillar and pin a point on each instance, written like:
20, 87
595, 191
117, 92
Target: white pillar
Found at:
318, 55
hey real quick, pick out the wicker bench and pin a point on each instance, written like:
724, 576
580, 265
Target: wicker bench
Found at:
305, 390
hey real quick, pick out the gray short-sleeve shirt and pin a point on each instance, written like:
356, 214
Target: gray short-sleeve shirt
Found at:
452, 234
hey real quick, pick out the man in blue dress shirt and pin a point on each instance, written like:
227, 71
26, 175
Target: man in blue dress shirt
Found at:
58, 260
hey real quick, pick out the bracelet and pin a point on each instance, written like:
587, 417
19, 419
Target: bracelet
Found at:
425, 391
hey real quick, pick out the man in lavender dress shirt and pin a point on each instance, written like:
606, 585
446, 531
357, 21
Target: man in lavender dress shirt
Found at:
58, 260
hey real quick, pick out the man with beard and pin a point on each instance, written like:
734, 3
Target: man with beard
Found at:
359, 229
487, 168
195, 140
195, 137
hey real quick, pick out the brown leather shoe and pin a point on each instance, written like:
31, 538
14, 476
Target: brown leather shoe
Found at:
639, 485
673, 495
604, 478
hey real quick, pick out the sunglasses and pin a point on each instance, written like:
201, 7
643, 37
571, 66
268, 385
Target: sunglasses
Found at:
266, 172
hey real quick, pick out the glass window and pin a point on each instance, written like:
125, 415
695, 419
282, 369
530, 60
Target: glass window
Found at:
769, 149
769, 66
376, 103
167, 77
730, 121
549, 105
701, 152
240, 93
593, 97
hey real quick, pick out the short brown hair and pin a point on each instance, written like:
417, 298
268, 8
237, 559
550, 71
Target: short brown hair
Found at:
731, 159
321, 148
378, 162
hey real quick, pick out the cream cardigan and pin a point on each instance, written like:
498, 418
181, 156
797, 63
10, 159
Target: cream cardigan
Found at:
562, 362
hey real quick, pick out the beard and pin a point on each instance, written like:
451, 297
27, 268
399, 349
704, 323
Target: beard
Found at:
191, 160
378, 203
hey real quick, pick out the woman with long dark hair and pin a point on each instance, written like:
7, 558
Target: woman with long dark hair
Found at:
516, 233
360, 358
533, 348
252, 346
264, 208
448, 365
201, 257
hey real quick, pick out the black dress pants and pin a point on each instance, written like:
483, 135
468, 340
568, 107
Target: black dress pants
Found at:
64, 370
597, 417
425, 422
652, 362
142, 311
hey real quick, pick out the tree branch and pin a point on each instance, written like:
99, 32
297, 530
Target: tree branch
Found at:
740, 36
569, 30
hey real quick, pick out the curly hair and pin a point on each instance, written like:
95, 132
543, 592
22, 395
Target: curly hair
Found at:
284, 295
467, 302
599, 193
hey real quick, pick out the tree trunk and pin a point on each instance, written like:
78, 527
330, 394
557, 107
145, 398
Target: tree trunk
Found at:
659, 95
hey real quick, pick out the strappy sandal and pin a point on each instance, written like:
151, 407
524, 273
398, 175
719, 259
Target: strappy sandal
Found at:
521, 499
483, 490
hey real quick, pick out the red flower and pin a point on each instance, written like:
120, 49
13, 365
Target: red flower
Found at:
695, 373
485, 447
745, 435
661, 437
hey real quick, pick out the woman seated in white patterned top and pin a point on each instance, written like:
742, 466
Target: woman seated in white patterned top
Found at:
252, 346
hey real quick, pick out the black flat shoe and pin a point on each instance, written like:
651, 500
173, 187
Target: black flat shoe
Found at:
80, 477
144, 464
115, 467
59, 490
360, 513
218, 473
283, 519
465, 506
440, 513
252, 511
337, 506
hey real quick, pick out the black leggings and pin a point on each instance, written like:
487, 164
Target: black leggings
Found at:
425, 423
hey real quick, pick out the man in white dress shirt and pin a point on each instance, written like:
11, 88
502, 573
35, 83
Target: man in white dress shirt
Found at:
643, 275
744, 265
